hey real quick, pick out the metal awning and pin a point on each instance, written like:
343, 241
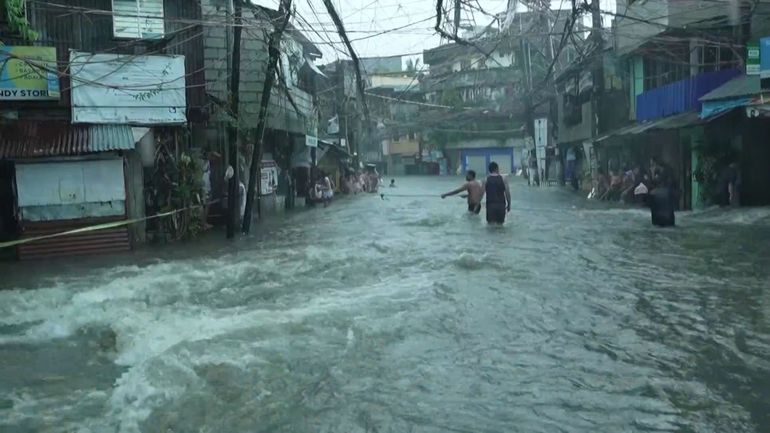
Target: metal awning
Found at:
740, 87
327, 146
744, 91
32, 139
312, 66
691, 118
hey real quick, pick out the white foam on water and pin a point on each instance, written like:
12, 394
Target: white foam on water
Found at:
49, 410
731, 216
150, 335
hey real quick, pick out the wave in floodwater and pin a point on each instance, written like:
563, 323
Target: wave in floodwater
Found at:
405, 315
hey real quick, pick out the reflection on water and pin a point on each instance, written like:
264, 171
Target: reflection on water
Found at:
404, 315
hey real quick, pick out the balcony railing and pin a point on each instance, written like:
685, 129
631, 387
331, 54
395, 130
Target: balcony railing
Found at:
681, 96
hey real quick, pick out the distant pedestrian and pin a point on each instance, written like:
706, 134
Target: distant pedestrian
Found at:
326, 189
728, 185
498, 195
206, 190
570, 169
392, 183
661, 202
532, 176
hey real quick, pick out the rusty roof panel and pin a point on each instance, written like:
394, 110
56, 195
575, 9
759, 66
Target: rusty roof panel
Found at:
29, 139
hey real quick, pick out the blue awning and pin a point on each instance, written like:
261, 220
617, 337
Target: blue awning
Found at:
714, 108
740, 92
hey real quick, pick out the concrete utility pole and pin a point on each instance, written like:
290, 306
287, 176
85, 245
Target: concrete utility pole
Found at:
232, 130
274, 54
597, 65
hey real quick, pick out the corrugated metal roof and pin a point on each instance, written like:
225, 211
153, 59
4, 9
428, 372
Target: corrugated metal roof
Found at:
29, 139
103, 138
744, 85
667, 123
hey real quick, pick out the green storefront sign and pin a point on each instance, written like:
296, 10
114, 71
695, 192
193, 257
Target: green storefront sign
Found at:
752, 58
28, 74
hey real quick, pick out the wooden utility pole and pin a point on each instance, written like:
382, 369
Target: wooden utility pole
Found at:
232, 131
274, 54
458, 10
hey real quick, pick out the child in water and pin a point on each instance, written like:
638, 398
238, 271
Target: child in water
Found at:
474, 189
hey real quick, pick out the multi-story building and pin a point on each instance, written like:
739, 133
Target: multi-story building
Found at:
501, 81
292, 125
98, 87
674, 53
88, 90
395, 98
341, 111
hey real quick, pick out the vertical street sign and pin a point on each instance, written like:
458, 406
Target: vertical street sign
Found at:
752, 58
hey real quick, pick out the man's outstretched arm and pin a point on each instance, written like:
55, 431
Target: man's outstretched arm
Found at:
455, 192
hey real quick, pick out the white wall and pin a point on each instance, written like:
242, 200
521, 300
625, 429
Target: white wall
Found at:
71, 190
391, 80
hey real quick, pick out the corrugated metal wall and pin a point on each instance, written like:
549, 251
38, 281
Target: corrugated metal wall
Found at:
97, 242
681, 96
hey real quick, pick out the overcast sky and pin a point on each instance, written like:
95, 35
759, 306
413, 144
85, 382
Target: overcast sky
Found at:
408, 24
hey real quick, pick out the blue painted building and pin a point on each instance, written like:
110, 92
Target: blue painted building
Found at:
479, 159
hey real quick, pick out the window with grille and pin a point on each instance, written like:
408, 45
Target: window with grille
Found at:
137, 19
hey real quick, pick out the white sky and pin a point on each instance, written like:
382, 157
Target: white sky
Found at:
363, 19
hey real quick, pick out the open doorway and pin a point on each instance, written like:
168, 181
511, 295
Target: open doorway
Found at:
9, 227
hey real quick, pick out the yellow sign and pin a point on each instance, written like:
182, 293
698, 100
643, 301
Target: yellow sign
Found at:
28, 73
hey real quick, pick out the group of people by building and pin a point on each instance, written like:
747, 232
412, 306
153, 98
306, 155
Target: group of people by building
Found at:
654, 186
361, 181
631, 183
322, 190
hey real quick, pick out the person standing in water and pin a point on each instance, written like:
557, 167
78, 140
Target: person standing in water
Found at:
474, 189
498, 195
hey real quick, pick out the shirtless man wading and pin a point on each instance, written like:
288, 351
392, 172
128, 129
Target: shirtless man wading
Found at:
475, 191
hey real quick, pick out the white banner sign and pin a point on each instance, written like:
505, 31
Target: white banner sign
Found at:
128, 89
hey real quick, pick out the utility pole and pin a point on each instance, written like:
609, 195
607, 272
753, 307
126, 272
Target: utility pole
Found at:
232, 130
274, 54
356, 65
597, 70
458, 9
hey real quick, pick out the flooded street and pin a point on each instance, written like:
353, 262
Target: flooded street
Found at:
404, 315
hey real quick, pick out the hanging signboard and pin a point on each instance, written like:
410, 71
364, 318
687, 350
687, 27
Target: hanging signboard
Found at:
311, 141
127, 89
333, 125
28, 74
269, 172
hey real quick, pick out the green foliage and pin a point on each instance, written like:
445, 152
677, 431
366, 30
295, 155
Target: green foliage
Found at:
176, 183
451, 97
15, 13
713, 158
437, 139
